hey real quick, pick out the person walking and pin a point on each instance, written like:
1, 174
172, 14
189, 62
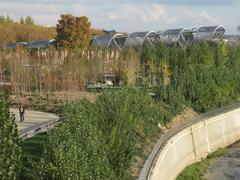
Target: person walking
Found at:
21, 112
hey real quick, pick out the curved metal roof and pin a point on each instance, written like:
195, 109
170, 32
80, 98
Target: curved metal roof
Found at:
39, 44
210, 33
14, 45
138, 39
108, 41
181, 36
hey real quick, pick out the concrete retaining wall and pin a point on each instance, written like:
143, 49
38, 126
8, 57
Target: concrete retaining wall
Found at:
191, 141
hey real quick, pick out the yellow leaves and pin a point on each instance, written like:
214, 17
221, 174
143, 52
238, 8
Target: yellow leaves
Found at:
166, 73
224, 50
152, 66
73, 31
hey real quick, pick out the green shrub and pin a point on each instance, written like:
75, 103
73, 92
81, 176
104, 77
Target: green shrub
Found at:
194, 171
97, 140
10, 151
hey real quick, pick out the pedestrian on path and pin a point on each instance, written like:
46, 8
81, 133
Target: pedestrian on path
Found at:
21, 112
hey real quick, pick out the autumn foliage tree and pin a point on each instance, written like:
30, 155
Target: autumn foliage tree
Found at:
25, 30
73, 31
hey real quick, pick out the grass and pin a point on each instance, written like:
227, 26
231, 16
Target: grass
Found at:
197, 170
33, 147
32, 150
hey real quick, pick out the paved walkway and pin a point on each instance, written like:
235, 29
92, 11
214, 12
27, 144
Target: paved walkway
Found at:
34, 121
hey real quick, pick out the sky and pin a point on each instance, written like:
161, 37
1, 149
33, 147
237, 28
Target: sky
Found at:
131, 15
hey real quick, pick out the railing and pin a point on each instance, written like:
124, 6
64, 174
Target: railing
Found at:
39, 128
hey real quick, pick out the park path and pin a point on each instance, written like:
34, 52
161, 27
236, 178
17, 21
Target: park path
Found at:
35, 122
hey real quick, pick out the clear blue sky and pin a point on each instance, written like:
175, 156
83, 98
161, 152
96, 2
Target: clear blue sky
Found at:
131, 15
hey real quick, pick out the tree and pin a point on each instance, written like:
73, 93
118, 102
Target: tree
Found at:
8, 35
6, 19
2, 19
22, 21
10, 152
29, 20
75, 149
73, 31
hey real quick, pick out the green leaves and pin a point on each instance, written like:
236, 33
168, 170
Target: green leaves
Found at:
97, 141
205, 76
10, 152
100, 140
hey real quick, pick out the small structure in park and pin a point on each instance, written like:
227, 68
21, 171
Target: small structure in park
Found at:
183, 37
209, 33
140, 39
110, 41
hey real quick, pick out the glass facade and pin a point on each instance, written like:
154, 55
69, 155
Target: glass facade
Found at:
116, 41
140, 39
183, 37
210, 33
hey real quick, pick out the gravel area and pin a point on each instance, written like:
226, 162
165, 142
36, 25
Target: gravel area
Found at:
226, 167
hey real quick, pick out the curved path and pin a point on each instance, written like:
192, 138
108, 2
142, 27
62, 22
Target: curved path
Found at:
35, 122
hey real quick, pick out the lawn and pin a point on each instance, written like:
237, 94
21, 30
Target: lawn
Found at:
33, 147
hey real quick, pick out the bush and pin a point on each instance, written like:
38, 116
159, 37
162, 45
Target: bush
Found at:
97, 141
10, 152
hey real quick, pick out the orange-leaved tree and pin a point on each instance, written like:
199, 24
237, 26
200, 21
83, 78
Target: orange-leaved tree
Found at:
73, 31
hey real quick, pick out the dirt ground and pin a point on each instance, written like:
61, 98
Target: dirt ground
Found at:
186, 114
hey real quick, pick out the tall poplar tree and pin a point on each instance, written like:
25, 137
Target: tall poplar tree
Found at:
10, 152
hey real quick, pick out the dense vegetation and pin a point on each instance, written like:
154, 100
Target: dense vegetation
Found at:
206, 75
10, 152
97, 140
100, 140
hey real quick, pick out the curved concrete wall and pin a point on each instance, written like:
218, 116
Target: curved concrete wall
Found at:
191, 141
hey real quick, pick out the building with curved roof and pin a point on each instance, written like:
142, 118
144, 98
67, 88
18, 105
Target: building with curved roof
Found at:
39, 44
110, 41
140, 39
183, 37
15, 45
210, 33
